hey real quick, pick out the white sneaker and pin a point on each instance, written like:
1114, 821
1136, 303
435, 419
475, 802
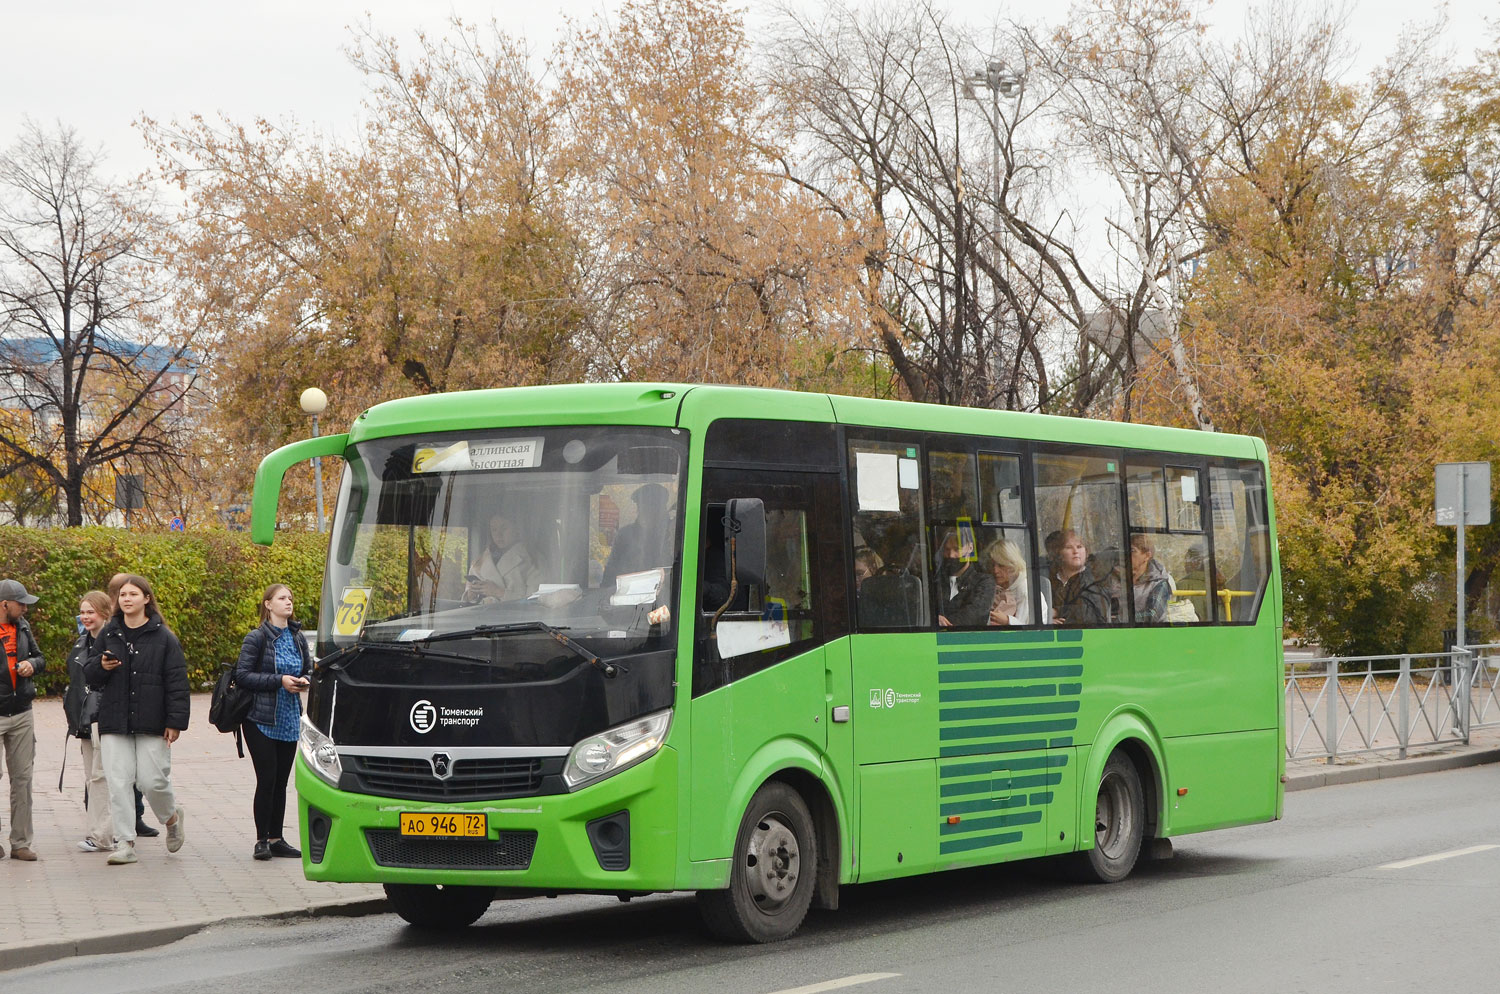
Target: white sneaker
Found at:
123, 854
89, 845
175, 831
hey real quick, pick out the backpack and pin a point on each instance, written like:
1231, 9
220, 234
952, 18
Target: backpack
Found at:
229, 705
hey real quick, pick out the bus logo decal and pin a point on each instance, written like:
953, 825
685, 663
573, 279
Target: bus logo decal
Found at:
423, 717
877, 699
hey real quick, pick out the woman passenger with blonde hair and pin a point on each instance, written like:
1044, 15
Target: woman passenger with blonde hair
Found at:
1012, 603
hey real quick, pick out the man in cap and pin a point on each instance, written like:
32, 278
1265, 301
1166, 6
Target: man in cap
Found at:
20, 662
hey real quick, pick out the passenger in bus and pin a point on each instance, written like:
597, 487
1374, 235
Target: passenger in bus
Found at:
1052, 546
1012, 602
965, 591
1151, 587
866, 565
504, 570
1078, 595
646, 542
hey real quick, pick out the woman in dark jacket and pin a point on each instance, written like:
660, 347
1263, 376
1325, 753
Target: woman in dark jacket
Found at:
143, 707
274, 663
81, 706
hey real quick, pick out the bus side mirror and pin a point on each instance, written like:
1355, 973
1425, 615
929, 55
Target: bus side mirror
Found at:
745, 528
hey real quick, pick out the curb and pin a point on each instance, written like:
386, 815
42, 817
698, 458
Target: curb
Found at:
18, 957
1393, 768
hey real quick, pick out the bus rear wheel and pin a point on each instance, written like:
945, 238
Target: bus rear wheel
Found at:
1119, 824
439, 906
774, 870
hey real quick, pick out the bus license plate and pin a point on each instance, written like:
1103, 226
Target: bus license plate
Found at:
440, 825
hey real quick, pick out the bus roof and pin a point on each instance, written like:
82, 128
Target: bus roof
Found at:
667, 405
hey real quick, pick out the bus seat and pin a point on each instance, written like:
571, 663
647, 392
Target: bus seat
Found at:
891, 601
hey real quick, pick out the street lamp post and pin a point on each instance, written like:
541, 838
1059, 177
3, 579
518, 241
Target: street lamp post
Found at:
315, 402
1001, 82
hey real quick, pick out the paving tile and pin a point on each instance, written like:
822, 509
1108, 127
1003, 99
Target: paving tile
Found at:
73, 896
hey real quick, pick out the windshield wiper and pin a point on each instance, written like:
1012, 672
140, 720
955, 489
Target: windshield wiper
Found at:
607, 668
343, 656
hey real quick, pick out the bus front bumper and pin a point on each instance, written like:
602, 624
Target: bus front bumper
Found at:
547, 838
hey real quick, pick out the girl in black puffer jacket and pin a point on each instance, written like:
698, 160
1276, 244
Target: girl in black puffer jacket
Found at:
138, 664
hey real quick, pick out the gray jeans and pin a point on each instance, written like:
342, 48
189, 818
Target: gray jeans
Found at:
137, 761
18, 736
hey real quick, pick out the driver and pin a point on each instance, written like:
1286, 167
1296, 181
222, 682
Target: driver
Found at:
646, 542
504, 569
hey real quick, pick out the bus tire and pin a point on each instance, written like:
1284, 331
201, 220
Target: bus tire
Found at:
773, 874
1119, 825
439, 906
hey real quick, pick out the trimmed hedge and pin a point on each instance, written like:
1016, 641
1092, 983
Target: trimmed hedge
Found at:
207, 584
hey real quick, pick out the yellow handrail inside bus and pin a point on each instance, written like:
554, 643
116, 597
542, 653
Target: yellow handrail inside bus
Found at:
1226, 597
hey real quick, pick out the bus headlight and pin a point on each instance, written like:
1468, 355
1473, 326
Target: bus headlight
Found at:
607, 753
319, 753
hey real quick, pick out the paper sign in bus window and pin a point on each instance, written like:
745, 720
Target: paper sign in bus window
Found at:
876, 473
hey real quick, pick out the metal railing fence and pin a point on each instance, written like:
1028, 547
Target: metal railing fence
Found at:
1484, 687
1346, 705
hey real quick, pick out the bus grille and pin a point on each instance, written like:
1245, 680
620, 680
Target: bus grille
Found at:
510, 851
472, 779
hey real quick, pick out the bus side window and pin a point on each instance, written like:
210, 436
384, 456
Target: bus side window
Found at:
964, 589
1169, 553
1242, 547
1078, 501
1005, 546
889, 530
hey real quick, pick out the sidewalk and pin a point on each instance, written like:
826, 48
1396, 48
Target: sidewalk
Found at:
1483, 747
70, 903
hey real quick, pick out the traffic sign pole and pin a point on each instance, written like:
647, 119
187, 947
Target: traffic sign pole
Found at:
1463, 520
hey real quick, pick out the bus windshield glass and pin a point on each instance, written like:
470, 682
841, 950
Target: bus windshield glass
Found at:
483, 532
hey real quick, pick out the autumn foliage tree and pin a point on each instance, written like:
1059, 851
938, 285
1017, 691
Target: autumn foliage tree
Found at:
432, 254
1343, 315
706, 262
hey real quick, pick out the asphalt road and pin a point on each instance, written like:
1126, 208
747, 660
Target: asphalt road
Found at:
1312, 903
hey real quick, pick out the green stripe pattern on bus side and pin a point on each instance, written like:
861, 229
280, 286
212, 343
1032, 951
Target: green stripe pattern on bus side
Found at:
1001, 693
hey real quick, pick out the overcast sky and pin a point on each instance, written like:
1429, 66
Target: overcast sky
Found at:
97, 66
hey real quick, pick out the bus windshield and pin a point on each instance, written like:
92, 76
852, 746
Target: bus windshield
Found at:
483, 532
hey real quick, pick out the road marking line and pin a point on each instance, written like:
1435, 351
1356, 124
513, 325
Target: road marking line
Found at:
833, 985
1403, 864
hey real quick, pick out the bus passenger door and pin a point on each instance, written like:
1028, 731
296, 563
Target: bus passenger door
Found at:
892, 661
764, 684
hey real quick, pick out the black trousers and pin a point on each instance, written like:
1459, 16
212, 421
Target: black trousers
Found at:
273, 765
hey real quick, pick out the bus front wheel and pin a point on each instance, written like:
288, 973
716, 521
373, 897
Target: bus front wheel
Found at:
434, 906
1119, 824
774, 870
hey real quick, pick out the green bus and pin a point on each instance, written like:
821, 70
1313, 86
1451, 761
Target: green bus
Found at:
632, 638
